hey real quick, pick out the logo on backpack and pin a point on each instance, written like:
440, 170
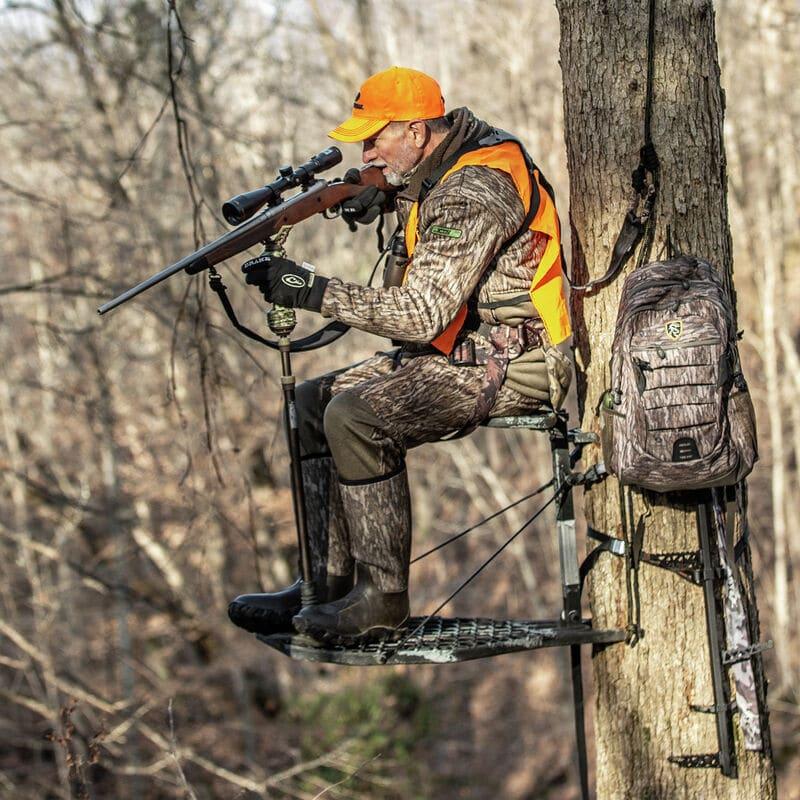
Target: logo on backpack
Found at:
674, 328
676, 417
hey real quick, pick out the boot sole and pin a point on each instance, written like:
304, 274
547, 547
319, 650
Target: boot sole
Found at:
327, 636
258, 620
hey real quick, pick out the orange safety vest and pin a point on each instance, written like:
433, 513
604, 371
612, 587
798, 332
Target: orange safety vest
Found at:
546, 291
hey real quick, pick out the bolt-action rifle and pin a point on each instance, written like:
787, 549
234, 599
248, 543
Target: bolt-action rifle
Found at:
271, 227
315, 196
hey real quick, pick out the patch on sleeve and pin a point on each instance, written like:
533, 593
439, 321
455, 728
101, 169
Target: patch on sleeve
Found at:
440, 230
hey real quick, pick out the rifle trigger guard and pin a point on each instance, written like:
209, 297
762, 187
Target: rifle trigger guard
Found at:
334, 212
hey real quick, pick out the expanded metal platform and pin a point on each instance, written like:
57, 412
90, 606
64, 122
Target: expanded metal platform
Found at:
445, 640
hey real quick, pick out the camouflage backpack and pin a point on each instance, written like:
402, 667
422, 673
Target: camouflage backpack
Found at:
678, 414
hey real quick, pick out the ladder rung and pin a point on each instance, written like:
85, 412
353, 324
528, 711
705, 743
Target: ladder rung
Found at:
745, 653
704, 760
710, 709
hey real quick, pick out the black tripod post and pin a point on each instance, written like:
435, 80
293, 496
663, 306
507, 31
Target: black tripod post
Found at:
281, 322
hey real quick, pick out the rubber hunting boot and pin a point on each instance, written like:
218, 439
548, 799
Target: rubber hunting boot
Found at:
379, 521
272, 612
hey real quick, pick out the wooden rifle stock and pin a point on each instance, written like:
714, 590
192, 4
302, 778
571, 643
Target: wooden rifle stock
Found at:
317, 197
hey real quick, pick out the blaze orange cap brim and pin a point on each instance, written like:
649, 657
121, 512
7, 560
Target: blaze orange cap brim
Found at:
357, 129
396, 94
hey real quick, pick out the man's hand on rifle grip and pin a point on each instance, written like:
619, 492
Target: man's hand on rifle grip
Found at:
364, 207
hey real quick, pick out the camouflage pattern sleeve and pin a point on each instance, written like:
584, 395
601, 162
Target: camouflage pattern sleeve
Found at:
463, 223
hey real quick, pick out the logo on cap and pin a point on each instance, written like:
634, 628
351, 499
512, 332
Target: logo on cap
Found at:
356, 104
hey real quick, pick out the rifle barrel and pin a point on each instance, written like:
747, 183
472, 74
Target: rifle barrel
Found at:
128, 294
229, 244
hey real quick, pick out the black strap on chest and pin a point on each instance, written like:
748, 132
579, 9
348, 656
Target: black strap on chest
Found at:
492, 139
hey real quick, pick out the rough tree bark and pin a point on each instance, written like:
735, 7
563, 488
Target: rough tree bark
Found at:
644, 693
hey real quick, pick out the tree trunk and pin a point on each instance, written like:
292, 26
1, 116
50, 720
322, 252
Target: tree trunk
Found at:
644, 693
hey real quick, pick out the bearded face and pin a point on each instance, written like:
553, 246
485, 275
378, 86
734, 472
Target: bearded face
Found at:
397, 149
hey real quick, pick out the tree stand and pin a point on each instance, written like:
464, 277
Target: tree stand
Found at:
448, 640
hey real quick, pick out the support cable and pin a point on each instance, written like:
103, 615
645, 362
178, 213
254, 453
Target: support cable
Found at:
496, 514
557, 496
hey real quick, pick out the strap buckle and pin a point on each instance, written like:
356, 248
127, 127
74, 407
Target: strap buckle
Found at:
530, 335
463, 354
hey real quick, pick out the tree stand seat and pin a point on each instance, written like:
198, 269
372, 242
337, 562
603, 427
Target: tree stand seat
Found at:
545, 421
444, 640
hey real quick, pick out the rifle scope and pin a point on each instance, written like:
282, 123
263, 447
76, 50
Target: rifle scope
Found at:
243, 206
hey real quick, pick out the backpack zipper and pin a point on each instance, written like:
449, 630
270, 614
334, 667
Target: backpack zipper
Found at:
659, 348
665, 283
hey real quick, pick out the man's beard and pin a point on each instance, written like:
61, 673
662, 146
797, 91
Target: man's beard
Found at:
395, 178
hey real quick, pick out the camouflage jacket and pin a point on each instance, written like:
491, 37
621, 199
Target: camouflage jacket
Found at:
463, 223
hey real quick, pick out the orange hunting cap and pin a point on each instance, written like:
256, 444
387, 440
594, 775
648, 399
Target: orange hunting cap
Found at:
397, 93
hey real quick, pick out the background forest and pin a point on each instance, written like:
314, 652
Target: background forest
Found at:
143, 476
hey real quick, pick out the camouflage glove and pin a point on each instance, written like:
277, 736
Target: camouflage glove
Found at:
364, 207
285, 283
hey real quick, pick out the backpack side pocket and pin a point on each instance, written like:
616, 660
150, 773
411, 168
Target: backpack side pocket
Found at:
742, 422
610, 419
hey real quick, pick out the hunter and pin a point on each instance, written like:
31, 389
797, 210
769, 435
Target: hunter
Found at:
478, 313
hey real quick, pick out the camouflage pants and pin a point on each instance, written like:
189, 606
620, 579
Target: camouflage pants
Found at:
367, 416
355, 428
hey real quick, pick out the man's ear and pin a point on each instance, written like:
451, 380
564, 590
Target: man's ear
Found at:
419, 133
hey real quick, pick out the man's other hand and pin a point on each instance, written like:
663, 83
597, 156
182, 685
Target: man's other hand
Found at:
285, 283
364, 207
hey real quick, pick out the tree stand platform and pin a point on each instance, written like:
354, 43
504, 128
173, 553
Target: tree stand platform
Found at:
444, 640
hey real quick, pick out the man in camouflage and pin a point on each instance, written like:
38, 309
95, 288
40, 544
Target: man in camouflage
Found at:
356, 424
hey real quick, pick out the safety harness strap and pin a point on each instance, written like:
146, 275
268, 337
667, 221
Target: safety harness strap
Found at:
644, 180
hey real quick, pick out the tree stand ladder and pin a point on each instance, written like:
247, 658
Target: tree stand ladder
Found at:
710, 575
704, 568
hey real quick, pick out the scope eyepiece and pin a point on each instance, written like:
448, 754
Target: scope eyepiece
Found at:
243, 206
